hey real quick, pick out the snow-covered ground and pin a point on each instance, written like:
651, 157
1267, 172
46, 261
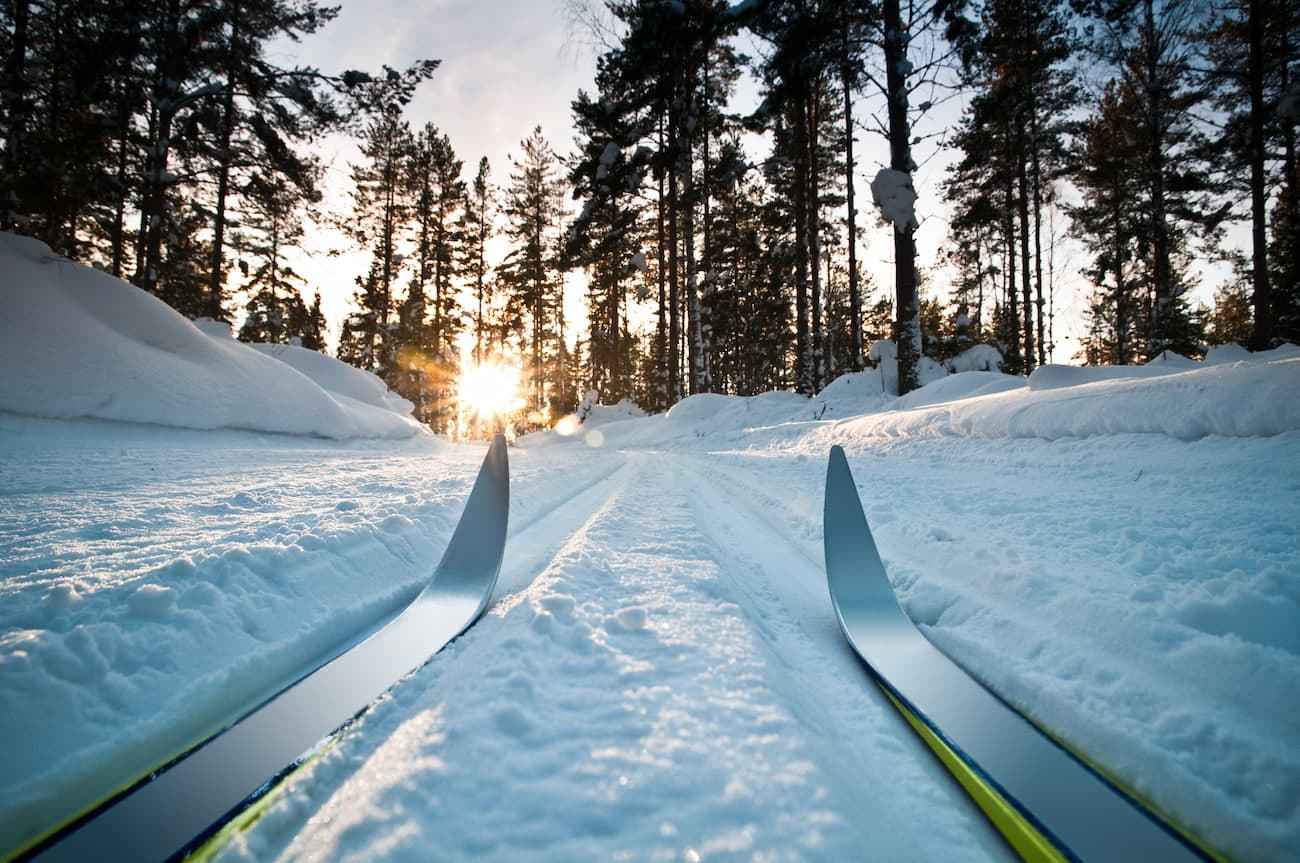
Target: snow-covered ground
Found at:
187, 523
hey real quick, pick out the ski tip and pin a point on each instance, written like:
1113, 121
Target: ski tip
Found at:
837, 458
498, 459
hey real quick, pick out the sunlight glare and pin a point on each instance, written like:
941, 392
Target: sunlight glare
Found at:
490, 390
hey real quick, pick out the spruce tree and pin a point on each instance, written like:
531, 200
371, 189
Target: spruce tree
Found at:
1148, 44
1253, 52
381, 209
477, 227
533, 209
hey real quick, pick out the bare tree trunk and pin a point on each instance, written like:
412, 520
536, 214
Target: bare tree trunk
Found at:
1162, 270
1121, 315
1262, 299
1012, 310
15, 95
156, 178
907, 325
803, 341
1036, 178
674, 307
1022, 202
855, 299
814, 236
117, 234
661, 328
217, 276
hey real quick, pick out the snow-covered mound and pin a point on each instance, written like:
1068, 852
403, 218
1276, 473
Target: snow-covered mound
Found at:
338, 378
1256, 398
77, 343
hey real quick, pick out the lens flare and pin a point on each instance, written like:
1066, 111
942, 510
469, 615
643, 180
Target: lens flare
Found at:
490, 390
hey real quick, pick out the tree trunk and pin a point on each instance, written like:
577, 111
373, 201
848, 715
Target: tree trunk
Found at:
15, 94
1121, 292
1262, 294
1161, 253
674, 306
217, 276
814, 237
1026, 284
803, 342
166, 98
117, 233
661, 324
1012, 310
855, 300
1036, 179
907, 325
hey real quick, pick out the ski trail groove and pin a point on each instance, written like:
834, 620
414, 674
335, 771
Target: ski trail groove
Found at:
627, 690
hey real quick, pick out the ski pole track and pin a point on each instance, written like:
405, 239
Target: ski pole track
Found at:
628, 690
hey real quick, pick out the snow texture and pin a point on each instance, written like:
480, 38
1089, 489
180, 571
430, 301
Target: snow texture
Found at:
894, 194
660, 675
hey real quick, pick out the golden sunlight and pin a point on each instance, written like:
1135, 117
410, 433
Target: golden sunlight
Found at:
489, 392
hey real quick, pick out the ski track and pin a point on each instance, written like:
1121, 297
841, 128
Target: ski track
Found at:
685, 733
294, 532
604, 671
1152, 549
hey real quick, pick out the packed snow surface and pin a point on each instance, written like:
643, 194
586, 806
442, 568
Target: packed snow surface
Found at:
660, 675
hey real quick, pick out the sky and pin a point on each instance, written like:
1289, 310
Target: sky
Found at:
507, 66
510, 65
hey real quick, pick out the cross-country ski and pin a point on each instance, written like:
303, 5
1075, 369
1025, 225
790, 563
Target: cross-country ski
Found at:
167, 814
285, 284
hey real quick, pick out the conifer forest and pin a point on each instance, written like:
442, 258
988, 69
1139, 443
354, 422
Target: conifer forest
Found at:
719, 249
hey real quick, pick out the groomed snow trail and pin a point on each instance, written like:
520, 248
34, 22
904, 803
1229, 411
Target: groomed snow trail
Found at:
650, 694
153, 590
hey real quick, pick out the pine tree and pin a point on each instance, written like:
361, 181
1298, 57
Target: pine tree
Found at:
1148, 44
606, 237
1231, 319
429, 321
533, 208
1110, 227
477, 228
896, 31
381, 209
798, 78
1253, 49
1013, 138
275, 312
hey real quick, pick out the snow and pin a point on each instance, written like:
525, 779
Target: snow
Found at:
79, 343
660, 675
895, 195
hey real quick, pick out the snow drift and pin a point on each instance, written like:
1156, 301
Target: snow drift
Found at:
77, 343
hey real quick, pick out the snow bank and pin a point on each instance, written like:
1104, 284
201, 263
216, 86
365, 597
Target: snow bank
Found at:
1234, 393
1244, 399
338, 378
77, 343
884, 354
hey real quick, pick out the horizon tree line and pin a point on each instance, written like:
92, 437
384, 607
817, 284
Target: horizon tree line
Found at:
177, 156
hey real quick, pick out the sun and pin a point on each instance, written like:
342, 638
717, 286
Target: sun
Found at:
489, 391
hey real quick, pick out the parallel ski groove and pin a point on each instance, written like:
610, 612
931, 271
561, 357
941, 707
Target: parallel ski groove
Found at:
177, 808
1069, 805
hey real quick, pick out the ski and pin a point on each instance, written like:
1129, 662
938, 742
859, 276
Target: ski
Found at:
175, 810
1046, 802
